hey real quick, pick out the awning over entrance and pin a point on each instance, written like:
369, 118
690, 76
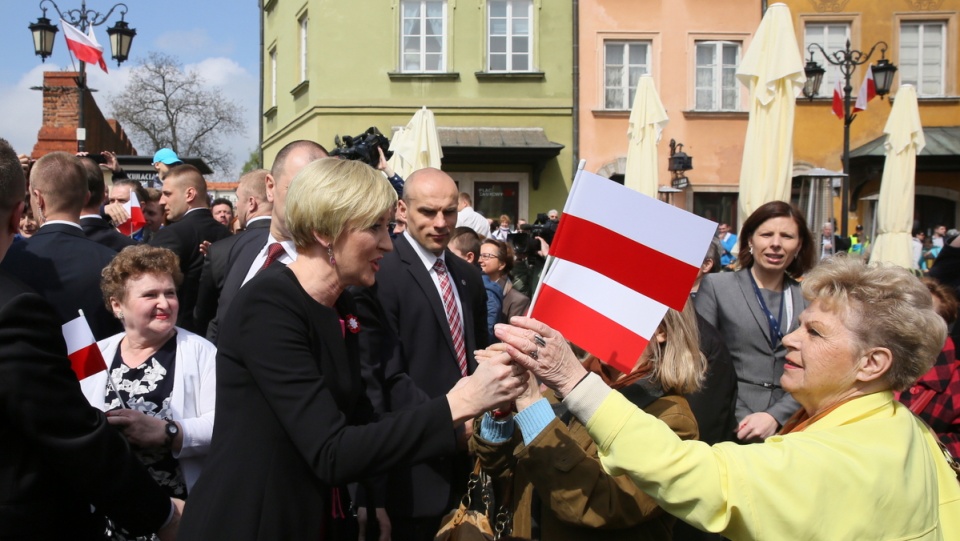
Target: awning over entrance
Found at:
941, 154
499, 145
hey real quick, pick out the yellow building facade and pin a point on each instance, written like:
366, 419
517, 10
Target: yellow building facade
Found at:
921, 39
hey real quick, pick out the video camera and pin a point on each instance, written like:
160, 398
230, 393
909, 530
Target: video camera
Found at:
363, 147
525, 241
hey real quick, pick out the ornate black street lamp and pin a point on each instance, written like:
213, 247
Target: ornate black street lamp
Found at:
121, 36
848, 60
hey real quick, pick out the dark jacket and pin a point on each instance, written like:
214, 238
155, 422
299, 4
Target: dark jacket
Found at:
100, 231
58, 454
410, 359
293, 423
226, 265
64, 267
183, 238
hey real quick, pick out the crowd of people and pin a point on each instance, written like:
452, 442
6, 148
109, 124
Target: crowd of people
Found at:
334, 354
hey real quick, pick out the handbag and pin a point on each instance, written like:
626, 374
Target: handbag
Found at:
466, 523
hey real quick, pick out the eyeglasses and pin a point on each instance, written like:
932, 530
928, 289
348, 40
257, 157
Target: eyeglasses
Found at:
489, 256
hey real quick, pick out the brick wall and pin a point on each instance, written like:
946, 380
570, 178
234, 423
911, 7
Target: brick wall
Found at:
60, 119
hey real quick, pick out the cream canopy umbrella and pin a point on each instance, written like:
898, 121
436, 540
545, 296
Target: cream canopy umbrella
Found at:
647, 120
895, 208
416, 146
772, 70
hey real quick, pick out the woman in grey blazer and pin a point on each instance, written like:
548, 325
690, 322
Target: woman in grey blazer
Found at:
755, 307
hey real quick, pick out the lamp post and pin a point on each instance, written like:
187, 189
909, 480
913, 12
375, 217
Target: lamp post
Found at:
121, 35
848, 59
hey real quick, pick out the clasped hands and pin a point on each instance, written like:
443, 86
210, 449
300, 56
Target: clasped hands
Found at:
538, 350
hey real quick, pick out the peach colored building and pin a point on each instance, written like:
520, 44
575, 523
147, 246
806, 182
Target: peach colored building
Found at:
692, 49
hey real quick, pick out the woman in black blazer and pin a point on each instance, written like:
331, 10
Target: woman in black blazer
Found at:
293, 423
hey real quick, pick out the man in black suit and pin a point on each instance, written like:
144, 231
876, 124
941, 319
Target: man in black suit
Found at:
59, 262
218, 284
186, 206
94, 226
410, 346
58, 455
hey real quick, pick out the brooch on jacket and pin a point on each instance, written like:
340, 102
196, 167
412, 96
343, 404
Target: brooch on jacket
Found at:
352, 323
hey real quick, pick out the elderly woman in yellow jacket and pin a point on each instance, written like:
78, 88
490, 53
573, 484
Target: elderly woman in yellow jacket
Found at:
549, 469
852, 464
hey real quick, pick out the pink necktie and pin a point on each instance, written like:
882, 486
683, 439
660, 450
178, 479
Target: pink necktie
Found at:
274, 251
453, 315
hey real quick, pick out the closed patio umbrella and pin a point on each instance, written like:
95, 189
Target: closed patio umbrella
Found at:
647, 120
772, 70
895, 208
416, 146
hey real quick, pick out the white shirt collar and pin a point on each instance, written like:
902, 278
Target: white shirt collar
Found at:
428, 258
51, 222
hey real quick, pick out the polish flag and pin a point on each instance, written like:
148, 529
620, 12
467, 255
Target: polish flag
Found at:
85, 357
620, 259
868, 91
136, 221
83, 46
838, 99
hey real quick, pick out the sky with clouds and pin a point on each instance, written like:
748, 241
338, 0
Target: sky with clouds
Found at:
219, 38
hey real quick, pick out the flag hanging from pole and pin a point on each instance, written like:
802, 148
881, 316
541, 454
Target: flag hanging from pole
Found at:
838, 99
868, 91
615, 272
83, 46
136, 221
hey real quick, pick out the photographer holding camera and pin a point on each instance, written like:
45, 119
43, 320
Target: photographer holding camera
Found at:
372, 148
531, 244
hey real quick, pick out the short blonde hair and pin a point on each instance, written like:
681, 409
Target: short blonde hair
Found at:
884, 306
678, 364
331, 195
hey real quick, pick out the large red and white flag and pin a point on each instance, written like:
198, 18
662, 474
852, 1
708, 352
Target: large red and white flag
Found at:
838, 99
136, 221
85, 357
620, 259
868, 91
83, 46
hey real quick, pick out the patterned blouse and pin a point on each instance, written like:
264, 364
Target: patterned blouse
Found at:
148, 388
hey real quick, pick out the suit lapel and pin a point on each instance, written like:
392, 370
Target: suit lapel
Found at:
750, 296
422, 278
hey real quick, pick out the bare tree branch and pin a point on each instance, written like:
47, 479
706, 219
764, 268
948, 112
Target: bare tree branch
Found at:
165, 106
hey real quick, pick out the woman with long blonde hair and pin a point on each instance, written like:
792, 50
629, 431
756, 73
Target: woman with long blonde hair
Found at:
547, 467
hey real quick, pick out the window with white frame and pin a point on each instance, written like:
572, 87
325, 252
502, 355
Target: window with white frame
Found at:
716, 87
509, 35
922, 48
423, 39
273, 77
623, 64
832, 37
303, 47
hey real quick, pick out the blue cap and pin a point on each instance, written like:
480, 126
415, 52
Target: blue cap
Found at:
167, 156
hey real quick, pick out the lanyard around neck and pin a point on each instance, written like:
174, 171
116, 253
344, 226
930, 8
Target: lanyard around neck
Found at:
774, 323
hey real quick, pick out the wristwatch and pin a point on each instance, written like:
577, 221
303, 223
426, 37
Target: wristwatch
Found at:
171, 430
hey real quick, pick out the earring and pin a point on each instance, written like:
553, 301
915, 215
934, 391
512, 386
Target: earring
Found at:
751, 249
119, 315
333, 261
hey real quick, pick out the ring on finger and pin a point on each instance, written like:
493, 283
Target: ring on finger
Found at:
540, 341
534, 354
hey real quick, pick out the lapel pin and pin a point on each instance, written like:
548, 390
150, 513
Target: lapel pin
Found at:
463, 283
